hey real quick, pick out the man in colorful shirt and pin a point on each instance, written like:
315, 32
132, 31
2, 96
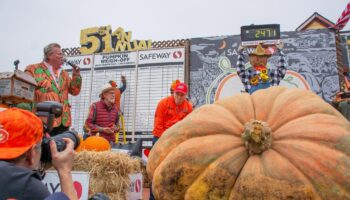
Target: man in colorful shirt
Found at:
54, 84
259, 76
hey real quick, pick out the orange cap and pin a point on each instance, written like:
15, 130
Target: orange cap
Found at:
19, 131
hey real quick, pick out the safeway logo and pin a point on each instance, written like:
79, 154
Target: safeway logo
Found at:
146, 152
86, 61
4, 135
138, 185
135, 185
78, 188
177, 54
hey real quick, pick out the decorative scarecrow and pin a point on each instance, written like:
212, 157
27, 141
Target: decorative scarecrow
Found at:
259, 76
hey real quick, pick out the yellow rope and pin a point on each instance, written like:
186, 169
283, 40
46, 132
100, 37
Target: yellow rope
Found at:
121, 120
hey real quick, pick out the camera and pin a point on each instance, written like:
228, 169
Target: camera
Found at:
47, 111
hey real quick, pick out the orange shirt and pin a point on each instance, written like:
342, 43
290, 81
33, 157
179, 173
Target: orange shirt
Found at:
117, 98
168, 113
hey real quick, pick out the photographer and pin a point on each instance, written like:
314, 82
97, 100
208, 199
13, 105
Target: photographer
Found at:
21, 134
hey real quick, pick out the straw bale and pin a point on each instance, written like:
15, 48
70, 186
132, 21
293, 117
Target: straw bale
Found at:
114, 196
108, 171
146, 182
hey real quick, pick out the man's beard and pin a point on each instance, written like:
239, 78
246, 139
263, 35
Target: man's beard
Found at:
110, 100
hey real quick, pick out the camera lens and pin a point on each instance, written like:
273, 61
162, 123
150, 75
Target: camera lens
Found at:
60, 143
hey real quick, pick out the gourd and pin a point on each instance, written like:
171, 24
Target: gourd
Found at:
81, 144
96, 143
277, 143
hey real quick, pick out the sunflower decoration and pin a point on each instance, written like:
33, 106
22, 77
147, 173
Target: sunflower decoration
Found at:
254, 80
264, 76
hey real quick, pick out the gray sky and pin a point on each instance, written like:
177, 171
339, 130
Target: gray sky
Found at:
28, 25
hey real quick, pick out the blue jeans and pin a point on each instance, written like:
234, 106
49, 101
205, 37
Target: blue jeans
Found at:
259, 86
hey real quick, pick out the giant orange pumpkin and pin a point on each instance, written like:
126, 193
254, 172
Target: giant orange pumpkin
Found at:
277, 143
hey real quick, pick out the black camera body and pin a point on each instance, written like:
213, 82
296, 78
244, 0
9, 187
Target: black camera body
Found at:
47, 111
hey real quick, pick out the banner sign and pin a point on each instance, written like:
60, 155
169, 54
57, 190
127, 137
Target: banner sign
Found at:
149, 74
83, 61
115, 59
80, 182
162, 56
135, 190
310, 59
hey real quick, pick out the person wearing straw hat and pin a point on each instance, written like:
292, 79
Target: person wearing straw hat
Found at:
259, 76
103, 115
21, 133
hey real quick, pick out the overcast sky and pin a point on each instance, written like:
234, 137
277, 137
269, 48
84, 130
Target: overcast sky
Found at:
28, 25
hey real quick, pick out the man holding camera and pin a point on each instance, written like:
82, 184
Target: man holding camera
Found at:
54, 84
21, 133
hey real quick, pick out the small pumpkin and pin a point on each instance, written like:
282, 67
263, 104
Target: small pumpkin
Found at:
81, 144
277, 143
4, 105
96, 143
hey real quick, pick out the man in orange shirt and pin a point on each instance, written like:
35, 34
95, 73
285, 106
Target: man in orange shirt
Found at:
118, 91
169, 111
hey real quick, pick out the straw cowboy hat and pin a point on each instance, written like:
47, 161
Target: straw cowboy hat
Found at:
261, 51
105, 88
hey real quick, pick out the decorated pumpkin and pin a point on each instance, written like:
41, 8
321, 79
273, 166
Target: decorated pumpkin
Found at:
95, 143
277, 143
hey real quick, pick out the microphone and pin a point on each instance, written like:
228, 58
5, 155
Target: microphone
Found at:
71, 64
16, 62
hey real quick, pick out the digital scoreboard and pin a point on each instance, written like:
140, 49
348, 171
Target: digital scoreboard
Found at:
267, 34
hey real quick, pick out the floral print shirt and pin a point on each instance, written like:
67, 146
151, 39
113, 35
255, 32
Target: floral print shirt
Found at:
49, 89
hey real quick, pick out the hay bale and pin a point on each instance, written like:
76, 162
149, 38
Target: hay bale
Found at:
108, 171
146, 182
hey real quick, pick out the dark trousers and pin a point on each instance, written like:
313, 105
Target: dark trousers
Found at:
151, 197
58, 130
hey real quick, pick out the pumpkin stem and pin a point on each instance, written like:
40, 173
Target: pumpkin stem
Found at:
256, 136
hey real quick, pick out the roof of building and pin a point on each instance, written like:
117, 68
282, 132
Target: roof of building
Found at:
315, 21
